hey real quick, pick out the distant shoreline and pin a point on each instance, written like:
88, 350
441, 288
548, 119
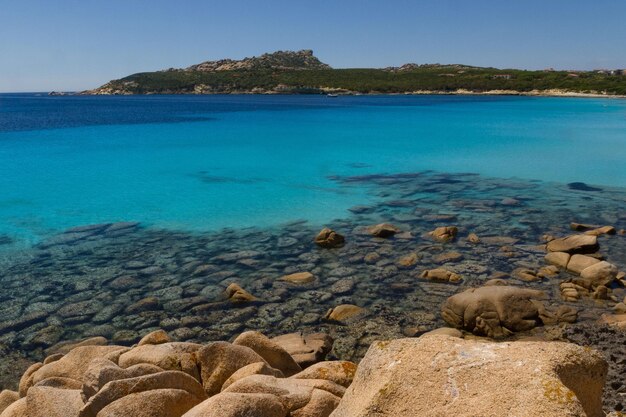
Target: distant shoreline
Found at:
460, 92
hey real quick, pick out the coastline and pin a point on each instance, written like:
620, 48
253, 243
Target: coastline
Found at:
341, 92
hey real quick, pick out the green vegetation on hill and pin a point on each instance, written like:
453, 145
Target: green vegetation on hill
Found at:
441, 78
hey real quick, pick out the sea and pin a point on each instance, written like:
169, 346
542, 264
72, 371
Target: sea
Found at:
120, 215
200, 163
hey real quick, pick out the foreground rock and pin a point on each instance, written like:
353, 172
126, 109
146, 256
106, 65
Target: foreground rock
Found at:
274, 355
230, 404
162, 378
439, 375
294, 394
494, 311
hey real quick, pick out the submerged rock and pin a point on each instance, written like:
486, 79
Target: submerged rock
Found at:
581, 186
344, 312
444, 233
299, 278
238, 295
448, 376
441, 274
384, 230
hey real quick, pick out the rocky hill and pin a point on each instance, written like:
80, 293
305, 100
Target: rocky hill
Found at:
280, 60
288, 72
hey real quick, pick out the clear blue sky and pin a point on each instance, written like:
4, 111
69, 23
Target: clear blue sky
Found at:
79, 44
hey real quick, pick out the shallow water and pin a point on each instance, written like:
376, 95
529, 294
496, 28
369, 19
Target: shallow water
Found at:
238, 193
203, 163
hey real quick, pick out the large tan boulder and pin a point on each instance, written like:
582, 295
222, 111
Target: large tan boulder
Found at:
578, 262
60, 382
328, 238
101, 371
231, 404
601, 273
305, 349
258, 368
321, 404
26, 381
438, 375
152, 403
274, 355
155, 338
293, 393
339, 372
16, 409
75, 363
574, 244
114, 391
172, 356
53, 402
8, 397
219, 360
617, 320
494, 311
560, 259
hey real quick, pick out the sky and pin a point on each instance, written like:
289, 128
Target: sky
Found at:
69, 45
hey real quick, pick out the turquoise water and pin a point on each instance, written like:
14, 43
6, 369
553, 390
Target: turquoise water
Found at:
220, 186
204, 163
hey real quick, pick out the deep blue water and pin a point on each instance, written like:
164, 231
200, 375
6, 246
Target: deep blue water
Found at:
200, 163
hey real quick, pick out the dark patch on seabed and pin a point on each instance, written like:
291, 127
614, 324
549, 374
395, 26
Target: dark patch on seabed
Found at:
123, 280
581, 186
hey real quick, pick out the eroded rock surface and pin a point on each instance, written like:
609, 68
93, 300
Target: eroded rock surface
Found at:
439, 375
494, 311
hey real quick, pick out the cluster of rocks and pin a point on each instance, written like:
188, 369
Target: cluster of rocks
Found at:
437, 374
578, 255
253, 375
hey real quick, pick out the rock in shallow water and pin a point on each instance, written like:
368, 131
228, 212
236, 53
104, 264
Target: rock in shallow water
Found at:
574, 244
383, 230
328, 238
444, 233
494, 310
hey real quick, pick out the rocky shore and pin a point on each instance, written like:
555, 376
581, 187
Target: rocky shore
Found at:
521, 262
437, 374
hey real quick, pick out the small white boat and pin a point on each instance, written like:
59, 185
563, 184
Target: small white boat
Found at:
332, 95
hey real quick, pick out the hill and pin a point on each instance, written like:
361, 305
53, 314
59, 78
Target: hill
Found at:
286, 72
